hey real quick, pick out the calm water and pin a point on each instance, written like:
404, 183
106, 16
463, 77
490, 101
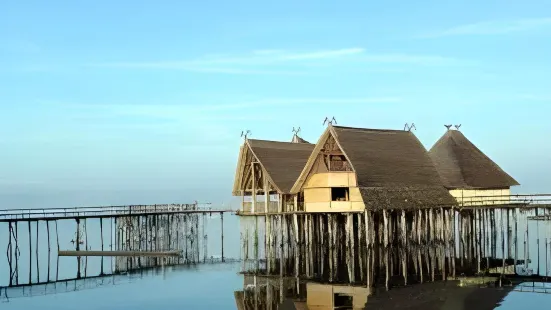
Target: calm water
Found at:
198, 287
203, 287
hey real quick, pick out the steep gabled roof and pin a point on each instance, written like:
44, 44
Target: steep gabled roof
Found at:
283, 161
462, 165
390, 159
387, 157
380, 157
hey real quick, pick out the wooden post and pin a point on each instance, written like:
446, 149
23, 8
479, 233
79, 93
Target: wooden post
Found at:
331, 245
311, 243
57, 242
385, 243
361, 249
419, 221
515, 219
253, 205
78, 246
281, 252
222, 234
37, 260
10, 253
297, 246
509, 234
502, 246
347, 247
321, 244
403, 241
30, 254
537, 242
85, 247
433, 218
16, 255
368, 249
49, 251
101, 233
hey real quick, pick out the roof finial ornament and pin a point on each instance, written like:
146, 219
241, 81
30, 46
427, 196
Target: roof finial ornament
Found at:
245, 134
296, 131
457, 126
448, 126
329, 121
408, 127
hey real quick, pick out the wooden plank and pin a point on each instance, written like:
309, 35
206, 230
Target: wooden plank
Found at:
120, 253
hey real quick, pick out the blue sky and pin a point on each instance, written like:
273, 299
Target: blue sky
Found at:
144, 101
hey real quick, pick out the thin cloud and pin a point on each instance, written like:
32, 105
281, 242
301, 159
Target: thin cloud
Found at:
19, 46
213, 112
281, 61
324, 54
279, 102
412, 59
262, 57
493, 27
537, 98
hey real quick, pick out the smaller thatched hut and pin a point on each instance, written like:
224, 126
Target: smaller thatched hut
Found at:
469, 175
266, 171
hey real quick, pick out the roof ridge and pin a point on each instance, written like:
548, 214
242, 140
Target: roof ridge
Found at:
274, 141
371, 129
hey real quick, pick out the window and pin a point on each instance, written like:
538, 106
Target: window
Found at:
339, 194
342, 301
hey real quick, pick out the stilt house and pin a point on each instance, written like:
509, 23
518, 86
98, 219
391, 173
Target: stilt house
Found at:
266, 171
354, 168
469, 175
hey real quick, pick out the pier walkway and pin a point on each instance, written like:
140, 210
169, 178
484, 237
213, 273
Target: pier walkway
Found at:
51, 214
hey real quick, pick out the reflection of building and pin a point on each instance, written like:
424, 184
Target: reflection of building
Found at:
261, 292
266, 171
329, 297
351, 168
470, 175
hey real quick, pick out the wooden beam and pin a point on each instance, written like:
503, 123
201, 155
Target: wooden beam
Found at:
253, 209
119, 253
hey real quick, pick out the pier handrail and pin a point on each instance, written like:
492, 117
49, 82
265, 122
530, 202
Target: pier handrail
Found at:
105, 211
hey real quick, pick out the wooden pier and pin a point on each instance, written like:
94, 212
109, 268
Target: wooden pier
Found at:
129, 237
389, 247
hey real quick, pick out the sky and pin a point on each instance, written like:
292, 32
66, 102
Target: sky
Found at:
114, 102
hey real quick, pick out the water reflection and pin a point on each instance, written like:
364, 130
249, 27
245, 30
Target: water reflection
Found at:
191, 287
275, 293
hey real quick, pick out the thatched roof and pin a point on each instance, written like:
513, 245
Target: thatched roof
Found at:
387, 157
406, 197
462, 165
282, 161
386, 163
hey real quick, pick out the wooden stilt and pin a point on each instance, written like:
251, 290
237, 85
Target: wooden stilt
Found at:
101, 240
37, 259
57, 242
386, 243
10, 252
30, 254
49, 250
